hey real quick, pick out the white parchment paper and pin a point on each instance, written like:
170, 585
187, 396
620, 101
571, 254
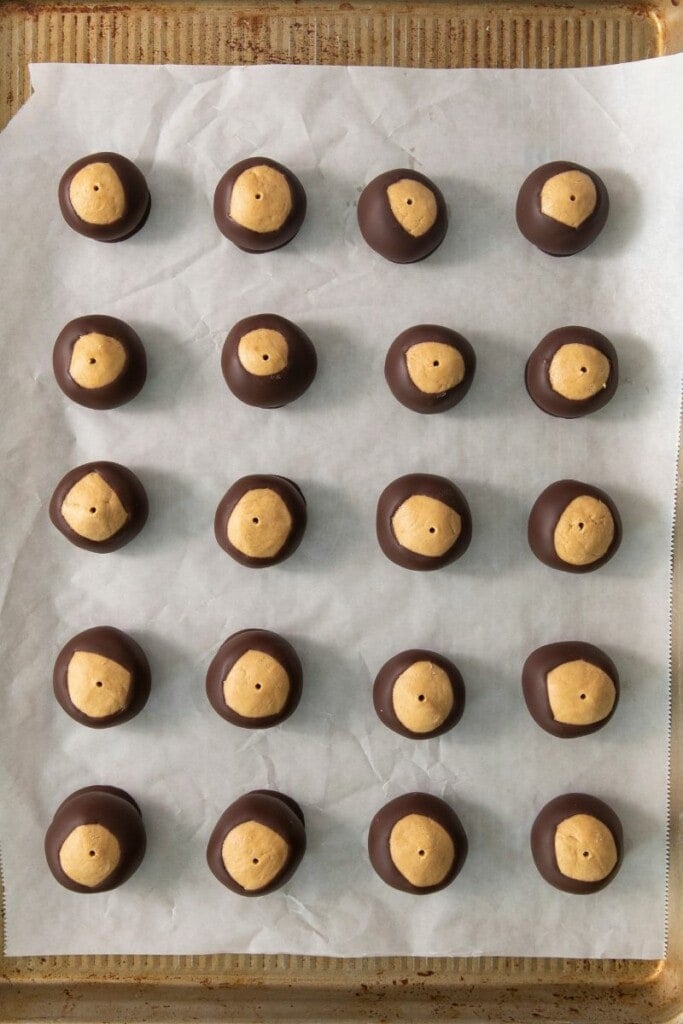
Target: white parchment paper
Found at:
347, 609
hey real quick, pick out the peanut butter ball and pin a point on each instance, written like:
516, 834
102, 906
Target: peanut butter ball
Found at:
268, 361
572, 372
255, 679
423, 522
259, 205
417, 843
562, 207
570, 688
102, 677
574, 527
419, 694
99, 362
402, 215
104, 197
261, 519
100, 506
258, 843
96, 840
577, 843
429, 368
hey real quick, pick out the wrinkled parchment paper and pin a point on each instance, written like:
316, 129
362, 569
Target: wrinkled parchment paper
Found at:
346, 608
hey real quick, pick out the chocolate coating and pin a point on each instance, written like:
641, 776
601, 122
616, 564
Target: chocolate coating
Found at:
399, 380
380, 228
383, 692
277, 389
127, 384
380, 832
431, 486
116, 811
543, 839
276, 811
292, 497
129, 491
537, 373
544, 517
243, 237
117, 646
550, 235
137, 199
535, 684
231, 651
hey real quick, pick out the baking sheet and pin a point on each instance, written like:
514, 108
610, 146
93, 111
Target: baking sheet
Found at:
345, 608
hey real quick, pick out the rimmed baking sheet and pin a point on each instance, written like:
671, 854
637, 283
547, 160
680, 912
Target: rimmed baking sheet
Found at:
605, 990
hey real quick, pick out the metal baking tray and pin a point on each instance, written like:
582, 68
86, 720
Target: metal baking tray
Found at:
229, 988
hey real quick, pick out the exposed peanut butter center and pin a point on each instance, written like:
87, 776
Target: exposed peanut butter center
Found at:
584, 848
254, 855
422, 697
569, 197
578, 371
256, 686
426, 525
260, 523
263, 352
434, 367
421, 850
580, 693
93, 509
97, 686
261, 199
584, 532
413, 205
97, 195
96, 360
89, 855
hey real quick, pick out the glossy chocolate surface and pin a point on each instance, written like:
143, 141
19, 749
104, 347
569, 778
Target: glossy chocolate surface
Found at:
546, 233
128, 383
117, 646
277, 389
398, 378
544, 517
290, 494
543, 839
537, 379
130, 492
244, 238
535, 687
116, 811
231, 651
382, 231
382, 693
276, 811
437, 487
380, 832
137, 206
